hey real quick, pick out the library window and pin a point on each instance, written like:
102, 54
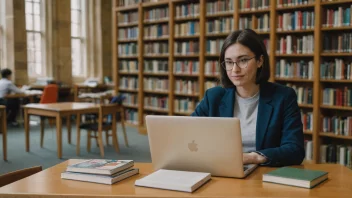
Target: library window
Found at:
77, 38
35, 38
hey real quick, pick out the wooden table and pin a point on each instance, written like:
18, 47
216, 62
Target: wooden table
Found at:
48, 184
57, 110
23, 95
3, 130
64, 92
97, 88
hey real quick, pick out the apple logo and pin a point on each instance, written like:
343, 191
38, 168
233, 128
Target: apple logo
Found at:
192, 146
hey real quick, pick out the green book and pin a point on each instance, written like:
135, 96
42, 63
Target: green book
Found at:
296, 177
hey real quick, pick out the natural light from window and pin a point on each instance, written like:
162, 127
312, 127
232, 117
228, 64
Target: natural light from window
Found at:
34, 38
77, 39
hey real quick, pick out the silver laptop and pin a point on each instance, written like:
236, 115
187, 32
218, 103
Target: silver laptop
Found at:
200, 144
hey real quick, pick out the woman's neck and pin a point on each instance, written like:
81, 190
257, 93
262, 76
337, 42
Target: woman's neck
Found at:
247, 91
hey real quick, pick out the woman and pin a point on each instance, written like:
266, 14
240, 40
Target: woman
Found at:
270, 118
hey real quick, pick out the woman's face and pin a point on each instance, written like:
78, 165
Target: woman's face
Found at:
244, 72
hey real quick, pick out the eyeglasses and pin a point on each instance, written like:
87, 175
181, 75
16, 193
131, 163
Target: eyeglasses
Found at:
242, 63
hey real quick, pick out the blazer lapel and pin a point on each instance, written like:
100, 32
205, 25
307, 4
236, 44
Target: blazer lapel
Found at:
263, 116
227, 103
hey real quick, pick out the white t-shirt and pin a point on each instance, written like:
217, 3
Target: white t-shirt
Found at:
246, 110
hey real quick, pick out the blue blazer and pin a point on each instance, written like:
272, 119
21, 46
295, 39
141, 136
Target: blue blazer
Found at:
279, 131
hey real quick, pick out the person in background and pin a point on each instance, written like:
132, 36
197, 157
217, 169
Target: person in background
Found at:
271, 126
8, 87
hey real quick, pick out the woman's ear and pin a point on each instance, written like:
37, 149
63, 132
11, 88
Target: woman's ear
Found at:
260, 61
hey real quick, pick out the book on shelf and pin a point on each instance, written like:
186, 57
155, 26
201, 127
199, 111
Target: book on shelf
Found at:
156, 31
131, 116
248, 5
212, 68
128, 33
307, 120
150, 1
122, 3
288, 3
186, 86
336, 70
156, 48
339, 125
298, 20
337, 43
156, 102
100, 166
184, 105
127, 49
156, 66
131, 99
190, 28
127, 18
186, 67
156, 14
187, 10
213, 46
186, 47
294, 69
266, 42
128, 66
308, 147
219, 6
292, 44
304, 178
101, 179
304, 94
174, 180
336, 154
128, 83
337, 17
222, 25
337, 96
156, 84
260, 23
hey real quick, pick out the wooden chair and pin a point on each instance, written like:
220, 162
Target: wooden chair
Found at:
95, 129
17, 175
120, 116
3, 131
50, 95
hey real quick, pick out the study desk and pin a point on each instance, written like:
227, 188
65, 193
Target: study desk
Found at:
23, 95
57, 110
64, 94
3, 130
49, 184
97, 88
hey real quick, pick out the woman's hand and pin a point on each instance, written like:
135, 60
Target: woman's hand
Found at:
253, 158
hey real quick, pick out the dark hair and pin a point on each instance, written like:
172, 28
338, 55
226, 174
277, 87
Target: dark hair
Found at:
5, 73
252, 40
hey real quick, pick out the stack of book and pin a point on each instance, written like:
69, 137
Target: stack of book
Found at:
100, 171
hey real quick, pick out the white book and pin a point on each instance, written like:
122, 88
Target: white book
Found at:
342, 155
309, 150
174, 180
101, 179
100, 166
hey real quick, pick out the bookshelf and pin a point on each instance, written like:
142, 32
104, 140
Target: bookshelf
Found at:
312, 32
334, 80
